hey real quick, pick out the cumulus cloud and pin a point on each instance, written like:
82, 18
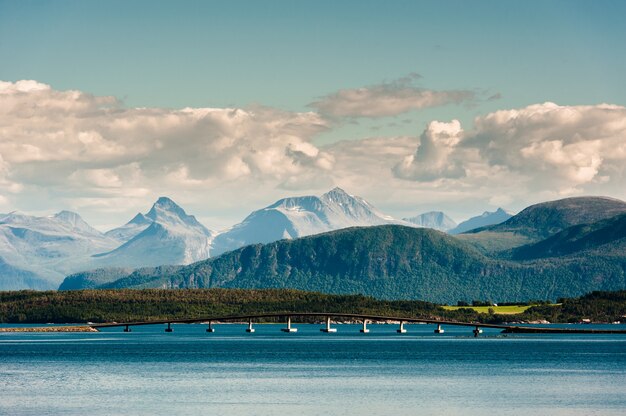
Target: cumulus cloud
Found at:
546, 146
560, 146
92, 141
70, 149
86, 149
432, 159
386, 99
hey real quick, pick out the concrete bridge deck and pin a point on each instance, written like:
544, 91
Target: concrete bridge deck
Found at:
362, 317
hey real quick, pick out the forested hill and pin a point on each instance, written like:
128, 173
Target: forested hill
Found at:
387, 262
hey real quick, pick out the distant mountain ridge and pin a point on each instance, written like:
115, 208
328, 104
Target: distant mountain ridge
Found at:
608, 234
485, 219
165, 235
547, 218
436, 220
572, 238
388, 262
43, 250
301, 216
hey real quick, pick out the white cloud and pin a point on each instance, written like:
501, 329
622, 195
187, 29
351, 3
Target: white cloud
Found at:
60, 130
543, 148
432, 159
69, 149
74, 146
558, 147
387, 99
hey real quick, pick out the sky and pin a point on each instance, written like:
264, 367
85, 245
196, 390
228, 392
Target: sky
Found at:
228, 106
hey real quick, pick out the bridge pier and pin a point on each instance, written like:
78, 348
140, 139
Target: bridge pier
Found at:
289, 328
249, 329
477, 331
439, 330
328, 328
127, 329
364, 330
401, 330
169, 327
210, 328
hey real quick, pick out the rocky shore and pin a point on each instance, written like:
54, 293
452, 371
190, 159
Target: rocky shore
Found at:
76, 328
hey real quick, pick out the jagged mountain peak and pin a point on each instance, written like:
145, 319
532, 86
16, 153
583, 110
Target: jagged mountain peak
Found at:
165, 204
140, 219
301, 216
166, 211
337, 193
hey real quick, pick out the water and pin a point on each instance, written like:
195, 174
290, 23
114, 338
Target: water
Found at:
230, 372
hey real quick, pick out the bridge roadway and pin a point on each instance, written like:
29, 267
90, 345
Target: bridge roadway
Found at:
364, 318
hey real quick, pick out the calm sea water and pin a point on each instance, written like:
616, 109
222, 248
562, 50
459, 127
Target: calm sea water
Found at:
230, 372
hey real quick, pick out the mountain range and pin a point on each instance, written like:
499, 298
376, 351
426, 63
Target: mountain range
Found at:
166, 247
299, 217
38, 252
561, 248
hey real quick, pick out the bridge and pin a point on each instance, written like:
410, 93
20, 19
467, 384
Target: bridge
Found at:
365, 319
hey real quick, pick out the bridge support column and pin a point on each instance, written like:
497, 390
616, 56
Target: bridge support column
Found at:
401, 330
328, 328
439, 330
289, 328
210, 328
250, 329
364, 330
127, 329
477, 331
169, 327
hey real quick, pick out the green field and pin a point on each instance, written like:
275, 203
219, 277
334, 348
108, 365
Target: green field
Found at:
502, 310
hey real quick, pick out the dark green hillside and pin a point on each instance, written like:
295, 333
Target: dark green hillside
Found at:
541, 221
94, 278
387, 262
609, 235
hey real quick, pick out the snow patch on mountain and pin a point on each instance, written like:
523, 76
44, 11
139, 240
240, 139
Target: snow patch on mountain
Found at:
47, 247
436, 220
165, 235
301, 216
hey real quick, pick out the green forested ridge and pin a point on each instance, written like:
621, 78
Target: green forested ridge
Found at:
154, 304
545, 219
555, 249
387, 262
578, 238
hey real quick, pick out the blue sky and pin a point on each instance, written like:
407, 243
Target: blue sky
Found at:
286, 55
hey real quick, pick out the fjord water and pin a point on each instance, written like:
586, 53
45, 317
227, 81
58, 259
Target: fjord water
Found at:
230, 372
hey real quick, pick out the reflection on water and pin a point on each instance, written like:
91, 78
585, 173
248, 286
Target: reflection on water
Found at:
230, 372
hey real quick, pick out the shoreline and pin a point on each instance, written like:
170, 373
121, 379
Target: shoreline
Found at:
77, 328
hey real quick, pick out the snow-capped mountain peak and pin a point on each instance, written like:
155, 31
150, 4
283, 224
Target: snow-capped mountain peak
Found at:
165, 235
301, 216
167, 212
436, 220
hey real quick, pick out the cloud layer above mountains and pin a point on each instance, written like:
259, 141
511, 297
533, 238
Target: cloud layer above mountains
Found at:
387, 99
90, 152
